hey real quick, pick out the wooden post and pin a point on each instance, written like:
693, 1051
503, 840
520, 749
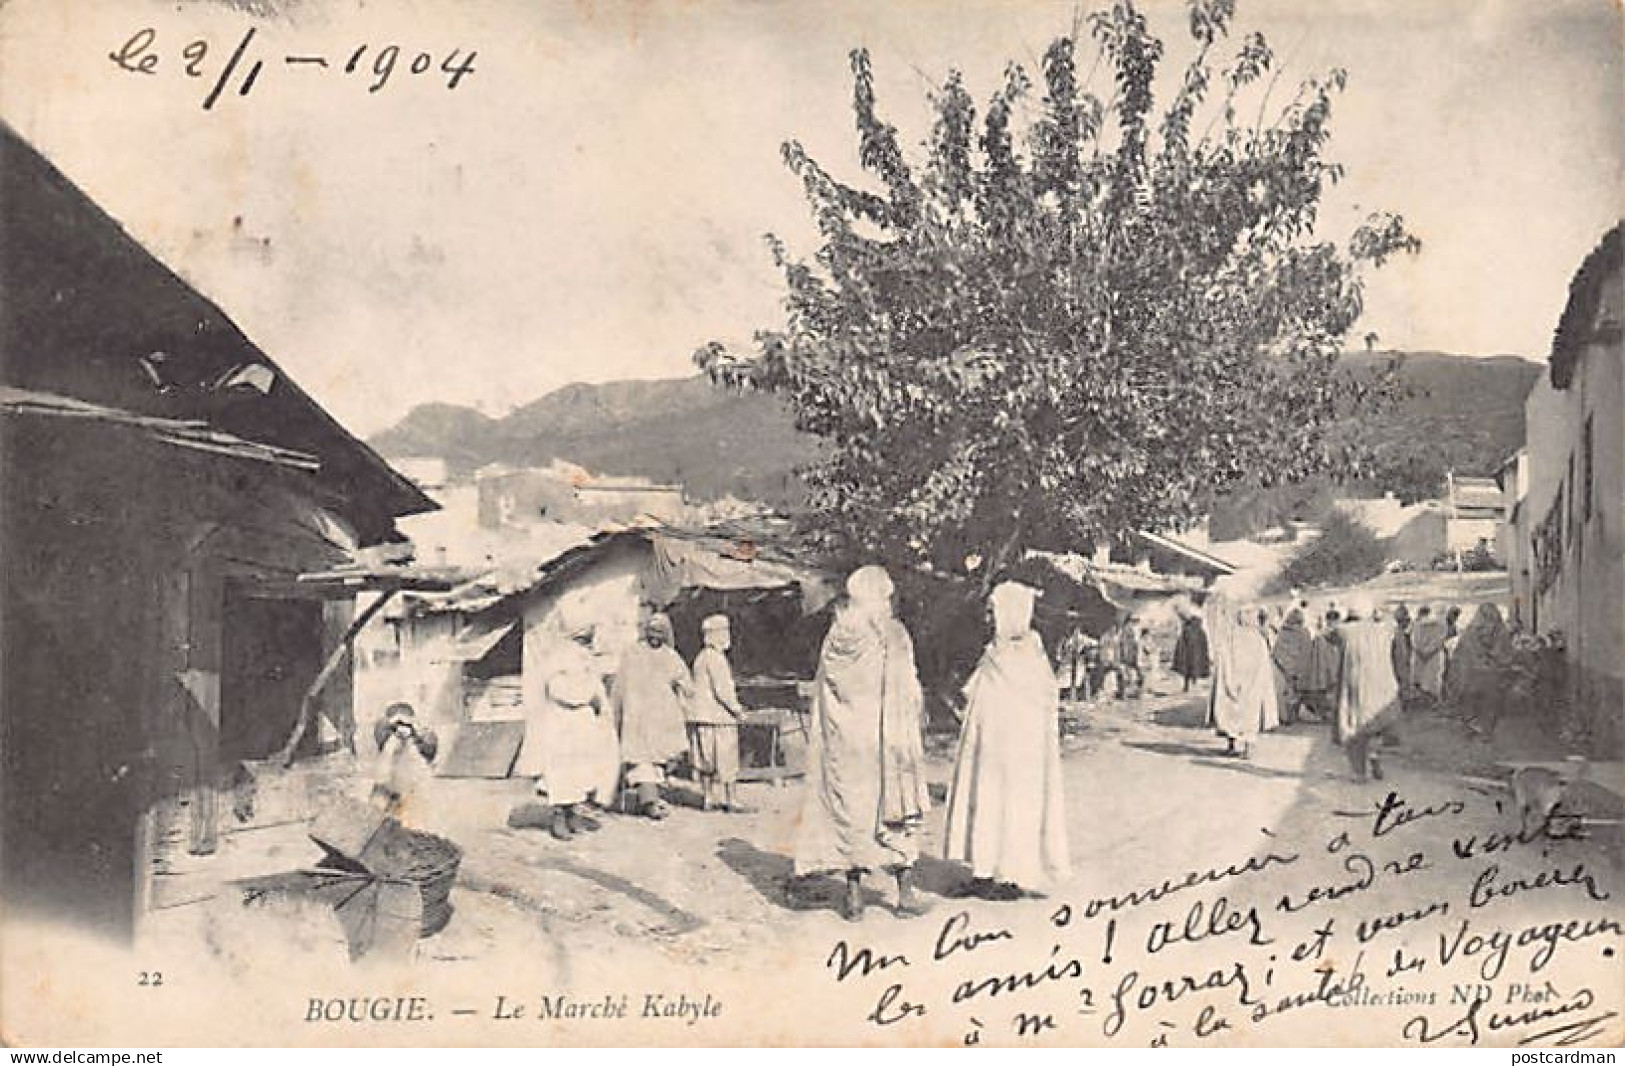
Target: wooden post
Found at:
307, 705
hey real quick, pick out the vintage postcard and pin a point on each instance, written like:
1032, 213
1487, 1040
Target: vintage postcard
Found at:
901, 523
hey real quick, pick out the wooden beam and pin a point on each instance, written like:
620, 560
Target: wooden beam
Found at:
307, 705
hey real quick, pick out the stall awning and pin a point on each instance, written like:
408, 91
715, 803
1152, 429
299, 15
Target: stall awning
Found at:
678, 564
480, 640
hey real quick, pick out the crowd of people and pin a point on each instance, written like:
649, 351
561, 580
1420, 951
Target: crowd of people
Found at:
1116, 664
590, 745
1361, 669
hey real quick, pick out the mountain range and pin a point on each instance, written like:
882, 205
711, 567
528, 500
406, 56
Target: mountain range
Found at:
1459, 412
682, 430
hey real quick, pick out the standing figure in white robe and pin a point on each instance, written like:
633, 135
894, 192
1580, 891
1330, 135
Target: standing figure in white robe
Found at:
1243, 700
1006, 811
1368, 693
866, 789
651, 686
570, 746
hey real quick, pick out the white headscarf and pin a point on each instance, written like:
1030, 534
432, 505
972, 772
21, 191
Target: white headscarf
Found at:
716, 630
870, 589
1012, 609
573, 620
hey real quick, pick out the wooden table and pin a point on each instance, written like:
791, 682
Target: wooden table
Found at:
779, 722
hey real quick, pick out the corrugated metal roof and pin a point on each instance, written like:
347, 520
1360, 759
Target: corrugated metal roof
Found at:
509, 584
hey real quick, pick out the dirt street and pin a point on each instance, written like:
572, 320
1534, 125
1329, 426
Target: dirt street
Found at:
1188, 865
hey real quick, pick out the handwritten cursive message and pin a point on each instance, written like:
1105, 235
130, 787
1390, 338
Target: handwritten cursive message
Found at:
1416, 924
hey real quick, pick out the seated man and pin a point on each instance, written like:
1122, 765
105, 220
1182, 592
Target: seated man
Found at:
404, 754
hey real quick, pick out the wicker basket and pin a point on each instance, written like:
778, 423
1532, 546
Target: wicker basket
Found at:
434, 880
385, 850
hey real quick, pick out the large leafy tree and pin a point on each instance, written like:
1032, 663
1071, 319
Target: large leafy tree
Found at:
1042, 332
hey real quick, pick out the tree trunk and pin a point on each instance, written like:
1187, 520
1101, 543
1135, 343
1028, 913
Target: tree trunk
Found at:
1007, 554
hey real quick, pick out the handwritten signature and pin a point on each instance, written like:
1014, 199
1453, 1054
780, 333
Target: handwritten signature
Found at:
1476, 1022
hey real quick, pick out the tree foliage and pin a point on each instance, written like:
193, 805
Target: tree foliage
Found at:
1346, 553
1071, 316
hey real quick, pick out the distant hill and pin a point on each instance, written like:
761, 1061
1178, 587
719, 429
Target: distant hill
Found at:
460, 435
1460, 412
685, 430
1457, 413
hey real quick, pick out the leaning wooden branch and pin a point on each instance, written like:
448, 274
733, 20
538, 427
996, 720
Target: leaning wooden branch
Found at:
307, 705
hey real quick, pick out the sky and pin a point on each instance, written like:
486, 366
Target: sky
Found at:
589, 203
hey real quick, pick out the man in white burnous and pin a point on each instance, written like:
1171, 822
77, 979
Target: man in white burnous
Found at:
1006, 810
866, 787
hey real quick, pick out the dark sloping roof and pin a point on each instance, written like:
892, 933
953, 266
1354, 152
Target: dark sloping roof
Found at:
1575, 329
90, 314
185, 434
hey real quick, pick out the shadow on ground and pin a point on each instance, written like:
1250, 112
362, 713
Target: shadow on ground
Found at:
1189, 715
1243, 766
1182, 751
774, 878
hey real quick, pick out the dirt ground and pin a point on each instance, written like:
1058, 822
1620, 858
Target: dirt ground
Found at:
1202, 885
1150, 796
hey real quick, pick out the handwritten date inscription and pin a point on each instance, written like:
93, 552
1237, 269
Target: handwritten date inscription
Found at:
367, 64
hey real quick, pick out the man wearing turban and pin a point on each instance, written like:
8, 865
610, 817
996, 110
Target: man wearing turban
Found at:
714, 713
650, 686
1368, 692
1291, 653
1242, 702
1428, 635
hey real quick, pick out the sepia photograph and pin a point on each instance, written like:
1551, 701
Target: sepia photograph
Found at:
785, 523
